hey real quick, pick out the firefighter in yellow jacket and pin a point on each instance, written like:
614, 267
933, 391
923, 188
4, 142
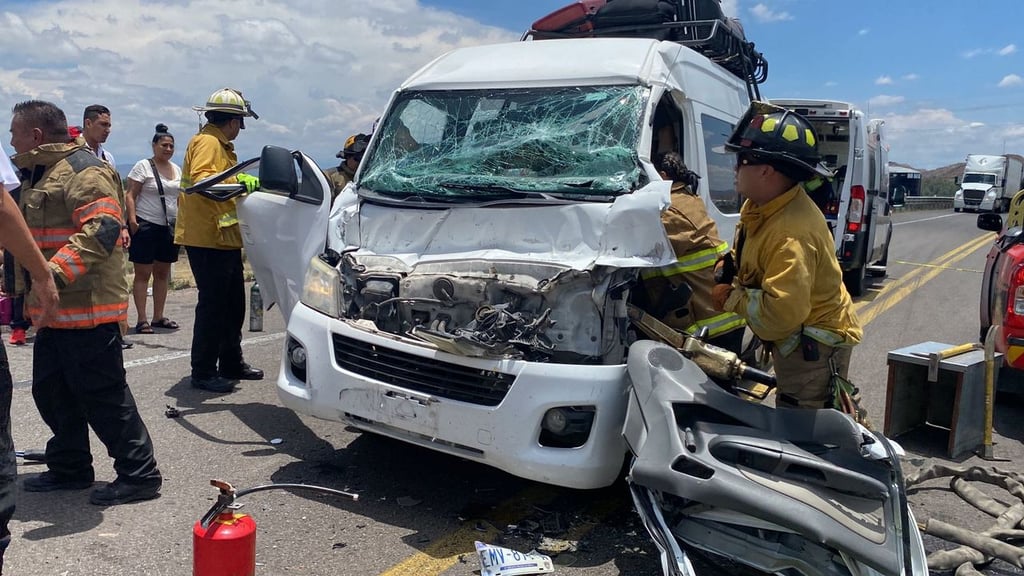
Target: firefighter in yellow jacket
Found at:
72, 204
787, 283
680, 294
210, 233
351, 155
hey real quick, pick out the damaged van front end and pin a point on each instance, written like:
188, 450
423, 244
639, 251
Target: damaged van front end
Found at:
470, 287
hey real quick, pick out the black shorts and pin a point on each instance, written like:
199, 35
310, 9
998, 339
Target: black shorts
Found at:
153, 243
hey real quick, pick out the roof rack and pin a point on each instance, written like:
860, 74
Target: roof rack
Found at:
716, 39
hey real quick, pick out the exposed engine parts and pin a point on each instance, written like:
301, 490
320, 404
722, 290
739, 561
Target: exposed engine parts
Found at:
537, 312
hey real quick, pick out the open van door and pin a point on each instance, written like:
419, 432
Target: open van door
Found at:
284, 224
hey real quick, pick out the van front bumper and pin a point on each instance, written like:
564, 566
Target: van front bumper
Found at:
505, 434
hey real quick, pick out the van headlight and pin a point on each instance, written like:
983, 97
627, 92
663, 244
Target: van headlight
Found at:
321, 288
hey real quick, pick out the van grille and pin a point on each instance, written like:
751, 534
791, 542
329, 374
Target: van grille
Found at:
425, 375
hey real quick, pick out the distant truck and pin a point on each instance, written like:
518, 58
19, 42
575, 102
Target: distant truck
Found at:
989, 183
858, 214
903, 183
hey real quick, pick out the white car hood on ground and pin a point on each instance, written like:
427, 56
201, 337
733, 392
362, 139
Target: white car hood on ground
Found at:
626, 233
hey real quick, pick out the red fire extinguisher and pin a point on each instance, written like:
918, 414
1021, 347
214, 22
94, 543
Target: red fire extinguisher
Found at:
224, 540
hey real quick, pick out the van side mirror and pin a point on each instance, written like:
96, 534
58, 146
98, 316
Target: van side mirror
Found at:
277, 170
990, 222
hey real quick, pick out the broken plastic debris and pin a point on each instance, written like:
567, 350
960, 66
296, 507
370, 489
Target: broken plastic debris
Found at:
276, 441
172, 412
557, 546
407, 501
498, 561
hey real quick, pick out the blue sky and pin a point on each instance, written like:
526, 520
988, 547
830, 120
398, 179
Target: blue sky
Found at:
946, 76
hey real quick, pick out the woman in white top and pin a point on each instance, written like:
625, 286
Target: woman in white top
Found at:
152, 207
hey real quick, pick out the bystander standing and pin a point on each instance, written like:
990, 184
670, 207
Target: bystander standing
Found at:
78, 376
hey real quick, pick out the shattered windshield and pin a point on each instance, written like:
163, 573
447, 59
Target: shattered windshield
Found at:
480, 144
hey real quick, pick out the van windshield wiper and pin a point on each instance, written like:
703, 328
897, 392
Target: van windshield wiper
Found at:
491, 190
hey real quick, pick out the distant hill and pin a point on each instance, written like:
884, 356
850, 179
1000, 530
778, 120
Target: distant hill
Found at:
938, 182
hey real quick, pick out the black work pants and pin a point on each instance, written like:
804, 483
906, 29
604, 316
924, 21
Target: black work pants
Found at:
8, 467
220, 311
78, 382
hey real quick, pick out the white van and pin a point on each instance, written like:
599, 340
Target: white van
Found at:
859, 211
467, 293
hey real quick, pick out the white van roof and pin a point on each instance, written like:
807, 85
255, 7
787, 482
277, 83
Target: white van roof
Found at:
577, 62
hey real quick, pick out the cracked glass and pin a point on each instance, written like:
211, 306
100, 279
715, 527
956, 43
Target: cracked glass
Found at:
479, 144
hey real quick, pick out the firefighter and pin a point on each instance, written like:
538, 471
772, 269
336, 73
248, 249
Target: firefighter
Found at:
71, 202
680, 294
210, 233
785, 279
350, 156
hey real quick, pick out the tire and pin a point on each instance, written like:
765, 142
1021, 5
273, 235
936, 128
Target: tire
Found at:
956, 209
856, 280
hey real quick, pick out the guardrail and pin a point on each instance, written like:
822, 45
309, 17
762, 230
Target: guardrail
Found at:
927, 203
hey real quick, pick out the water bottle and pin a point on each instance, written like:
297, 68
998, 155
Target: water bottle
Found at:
255, 309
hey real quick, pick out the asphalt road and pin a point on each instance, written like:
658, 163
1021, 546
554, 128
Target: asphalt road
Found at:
419, 512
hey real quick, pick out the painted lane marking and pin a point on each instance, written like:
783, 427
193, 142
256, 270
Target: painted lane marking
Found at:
923, 219
918, 264
170, 356
892, 298
944, 260
444, 553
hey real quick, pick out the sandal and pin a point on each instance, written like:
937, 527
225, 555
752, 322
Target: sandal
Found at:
165, 323
143, 328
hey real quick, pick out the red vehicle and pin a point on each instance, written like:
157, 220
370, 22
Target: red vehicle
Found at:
1002, 288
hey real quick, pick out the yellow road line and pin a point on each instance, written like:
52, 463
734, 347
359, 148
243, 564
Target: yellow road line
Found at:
948, 258
444, 552
893, 297
920, 265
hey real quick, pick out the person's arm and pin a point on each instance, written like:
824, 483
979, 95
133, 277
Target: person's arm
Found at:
782, 303
134, 189
16, 238
92, 196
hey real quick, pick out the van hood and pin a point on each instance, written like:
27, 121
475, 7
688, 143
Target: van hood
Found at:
626, 233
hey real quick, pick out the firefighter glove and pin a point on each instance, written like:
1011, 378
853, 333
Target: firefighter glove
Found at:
250, 182
719, 294
725, 269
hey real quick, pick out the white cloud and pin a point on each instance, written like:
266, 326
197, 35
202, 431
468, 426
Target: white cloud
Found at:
883, 100
863, 31
911, 77
1010, 80
765, 14
314, 73
1004, 51
934, 137
883, 80
831, 83
729, 8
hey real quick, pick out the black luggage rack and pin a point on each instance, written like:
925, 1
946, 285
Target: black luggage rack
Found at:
712, 38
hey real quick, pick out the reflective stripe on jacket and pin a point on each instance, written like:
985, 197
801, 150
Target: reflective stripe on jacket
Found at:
695, 240
789, 277
203, 222
72, 204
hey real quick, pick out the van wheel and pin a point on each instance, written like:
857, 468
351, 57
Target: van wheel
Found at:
855, 280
